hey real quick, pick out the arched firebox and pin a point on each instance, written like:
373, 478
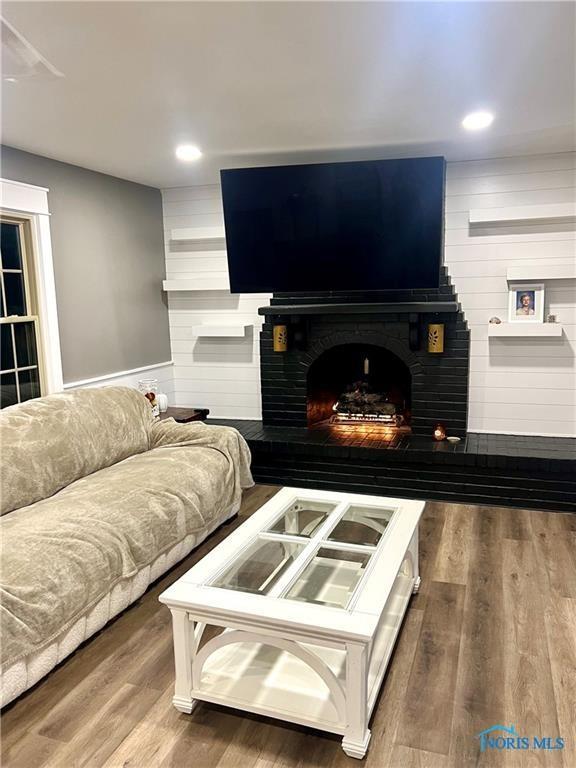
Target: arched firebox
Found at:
356, 384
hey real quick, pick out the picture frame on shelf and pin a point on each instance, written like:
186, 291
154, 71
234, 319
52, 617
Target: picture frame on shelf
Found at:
526, 303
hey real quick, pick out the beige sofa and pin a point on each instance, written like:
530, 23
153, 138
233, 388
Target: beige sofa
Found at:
97, 501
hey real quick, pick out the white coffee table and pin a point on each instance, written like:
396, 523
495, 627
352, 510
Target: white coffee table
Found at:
295, 614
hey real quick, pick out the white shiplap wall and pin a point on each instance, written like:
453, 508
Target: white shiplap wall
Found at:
222, 374
517, 385
520, 386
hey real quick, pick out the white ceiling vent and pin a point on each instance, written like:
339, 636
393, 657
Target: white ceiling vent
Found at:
20, 60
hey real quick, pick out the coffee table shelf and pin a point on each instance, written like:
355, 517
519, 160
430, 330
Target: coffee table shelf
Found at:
277, 681
295, 614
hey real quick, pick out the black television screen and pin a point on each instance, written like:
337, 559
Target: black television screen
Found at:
360, 226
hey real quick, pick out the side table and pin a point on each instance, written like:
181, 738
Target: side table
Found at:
185, 415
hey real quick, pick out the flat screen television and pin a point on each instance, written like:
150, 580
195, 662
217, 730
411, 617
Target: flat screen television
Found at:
361, 226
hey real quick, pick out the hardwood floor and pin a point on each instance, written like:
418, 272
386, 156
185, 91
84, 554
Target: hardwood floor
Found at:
490, 638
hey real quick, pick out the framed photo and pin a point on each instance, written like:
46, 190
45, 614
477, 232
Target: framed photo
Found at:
526, 303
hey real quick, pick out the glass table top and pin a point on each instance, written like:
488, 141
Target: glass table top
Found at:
330, 578
259, 567
303, 518
314, 551
361, 525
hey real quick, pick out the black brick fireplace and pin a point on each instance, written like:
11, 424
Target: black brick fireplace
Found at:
377, 342
330, 337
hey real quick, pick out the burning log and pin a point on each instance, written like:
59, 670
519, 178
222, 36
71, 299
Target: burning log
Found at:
360, 402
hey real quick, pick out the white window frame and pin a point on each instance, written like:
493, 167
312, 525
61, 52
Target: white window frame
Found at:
18, 198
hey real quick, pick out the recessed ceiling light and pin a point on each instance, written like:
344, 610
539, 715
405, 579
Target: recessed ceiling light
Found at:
475, 121
188, 152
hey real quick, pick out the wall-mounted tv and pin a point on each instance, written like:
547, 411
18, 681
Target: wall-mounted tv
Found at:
361, 226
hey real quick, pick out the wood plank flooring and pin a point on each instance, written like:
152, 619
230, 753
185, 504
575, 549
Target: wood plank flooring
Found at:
490, 638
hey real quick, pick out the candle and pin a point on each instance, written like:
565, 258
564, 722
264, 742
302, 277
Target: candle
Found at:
439, 432
366, 366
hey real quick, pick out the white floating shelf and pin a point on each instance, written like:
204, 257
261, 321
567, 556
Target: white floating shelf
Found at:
524, 329
205, 281
198, 234
542, 272
547, 212
220, 330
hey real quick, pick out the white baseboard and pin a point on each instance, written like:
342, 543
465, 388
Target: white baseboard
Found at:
522, 434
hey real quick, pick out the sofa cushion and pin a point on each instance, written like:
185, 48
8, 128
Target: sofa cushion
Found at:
50, 442
63, 554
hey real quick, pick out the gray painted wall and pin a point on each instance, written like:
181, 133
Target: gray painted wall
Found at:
107, 242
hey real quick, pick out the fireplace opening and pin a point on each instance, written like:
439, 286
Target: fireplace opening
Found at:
359, 385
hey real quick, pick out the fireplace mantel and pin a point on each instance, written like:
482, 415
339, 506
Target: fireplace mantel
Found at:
411, 307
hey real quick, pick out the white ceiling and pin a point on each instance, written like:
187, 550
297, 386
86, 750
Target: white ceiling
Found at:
272, 82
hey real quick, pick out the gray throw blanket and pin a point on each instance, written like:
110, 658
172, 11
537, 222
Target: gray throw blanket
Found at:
62, 555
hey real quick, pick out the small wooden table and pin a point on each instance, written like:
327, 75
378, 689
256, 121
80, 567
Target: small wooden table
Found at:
185, 415
303, 603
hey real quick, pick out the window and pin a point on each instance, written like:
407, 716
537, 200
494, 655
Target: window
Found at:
21, 375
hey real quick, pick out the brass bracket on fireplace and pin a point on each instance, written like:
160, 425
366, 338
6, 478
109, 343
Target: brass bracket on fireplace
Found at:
280, 338
414, 332
290, 333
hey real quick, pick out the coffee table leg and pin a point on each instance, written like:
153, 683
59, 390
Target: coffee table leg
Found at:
355, 742
184, 647
413, 550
